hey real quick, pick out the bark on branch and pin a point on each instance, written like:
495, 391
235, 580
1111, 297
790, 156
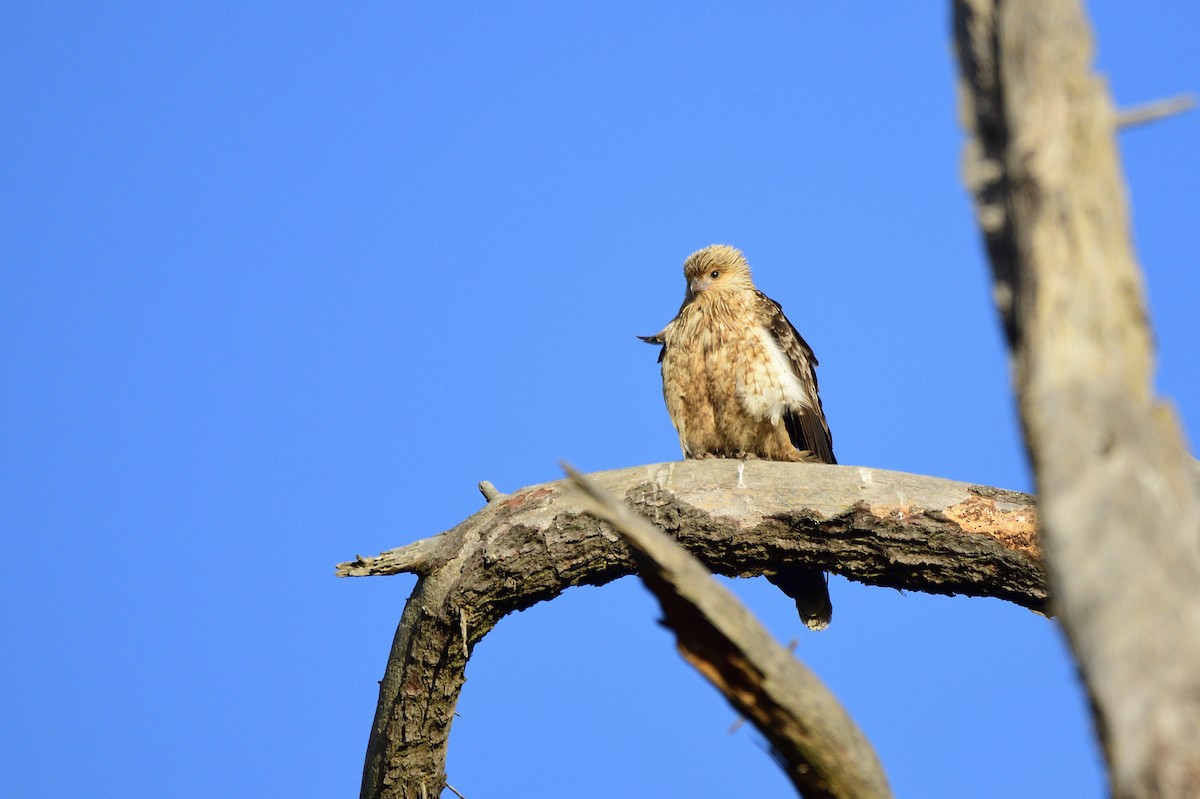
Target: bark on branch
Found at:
1116, 486
739, 518
822, 750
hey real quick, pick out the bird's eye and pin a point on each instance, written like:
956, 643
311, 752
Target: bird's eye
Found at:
714, 274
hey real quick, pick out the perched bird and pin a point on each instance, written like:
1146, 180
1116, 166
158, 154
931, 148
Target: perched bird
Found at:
740, 382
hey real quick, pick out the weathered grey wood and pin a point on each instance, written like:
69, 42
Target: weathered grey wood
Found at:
740, 518
1116, 487
1155, 111
821, 749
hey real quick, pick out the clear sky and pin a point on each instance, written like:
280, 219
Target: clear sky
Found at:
282, 281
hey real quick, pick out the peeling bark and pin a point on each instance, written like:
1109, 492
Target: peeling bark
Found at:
739, 518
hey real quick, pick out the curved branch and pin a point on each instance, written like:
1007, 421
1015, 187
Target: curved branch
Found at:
740, 518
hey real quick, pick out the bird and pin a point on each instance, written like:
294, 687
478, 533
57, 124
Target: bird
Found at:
740, 382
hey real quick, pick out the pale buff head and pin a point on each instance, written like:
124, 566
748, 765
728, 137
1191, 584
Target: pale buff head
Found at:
716, 268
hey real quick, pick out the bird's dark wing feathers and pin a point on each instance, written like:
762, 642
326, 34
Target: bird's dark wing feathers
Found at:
656, 339
808, 430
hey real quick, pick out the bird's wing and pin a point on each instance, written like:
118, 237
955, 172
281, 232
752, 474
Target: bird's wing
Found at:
804, 417
661, 336
657, 338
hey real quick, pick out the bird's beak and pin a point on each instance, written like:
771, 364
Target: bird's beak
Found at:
700, 284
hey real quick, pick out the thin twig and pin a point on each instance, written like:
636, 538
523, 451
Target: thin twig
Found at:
1154, 111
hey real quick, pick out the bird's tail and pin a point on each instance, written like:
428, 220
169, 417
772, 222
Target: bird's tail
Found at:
810, 589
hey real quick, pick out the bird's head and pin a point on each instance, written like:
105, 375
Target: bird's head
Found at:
716, 268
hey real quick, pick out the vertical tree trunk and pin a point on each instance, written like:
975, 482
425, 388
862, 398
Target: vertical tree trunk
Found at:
1121, 517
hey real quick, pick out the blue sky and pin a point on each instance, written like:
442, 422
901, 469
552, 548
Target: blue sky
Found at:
282, 282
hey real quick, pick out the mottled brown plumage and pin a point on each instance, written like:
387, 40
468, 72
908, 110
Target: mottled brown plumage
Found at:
740, 382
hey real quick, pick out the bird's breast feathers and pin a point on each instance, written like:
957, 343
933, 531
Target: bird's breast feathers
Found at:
768, 384
731, 349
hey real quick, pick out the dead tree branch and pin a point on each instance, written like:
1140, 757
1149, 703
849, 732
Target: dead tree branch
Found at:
739, 518
1116, 487
822, 750
1155, 111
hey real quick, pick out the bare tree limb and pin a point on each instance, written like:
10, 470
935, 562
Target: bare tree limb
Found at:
1153, 112
1116, 486
820, 747
740, 518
